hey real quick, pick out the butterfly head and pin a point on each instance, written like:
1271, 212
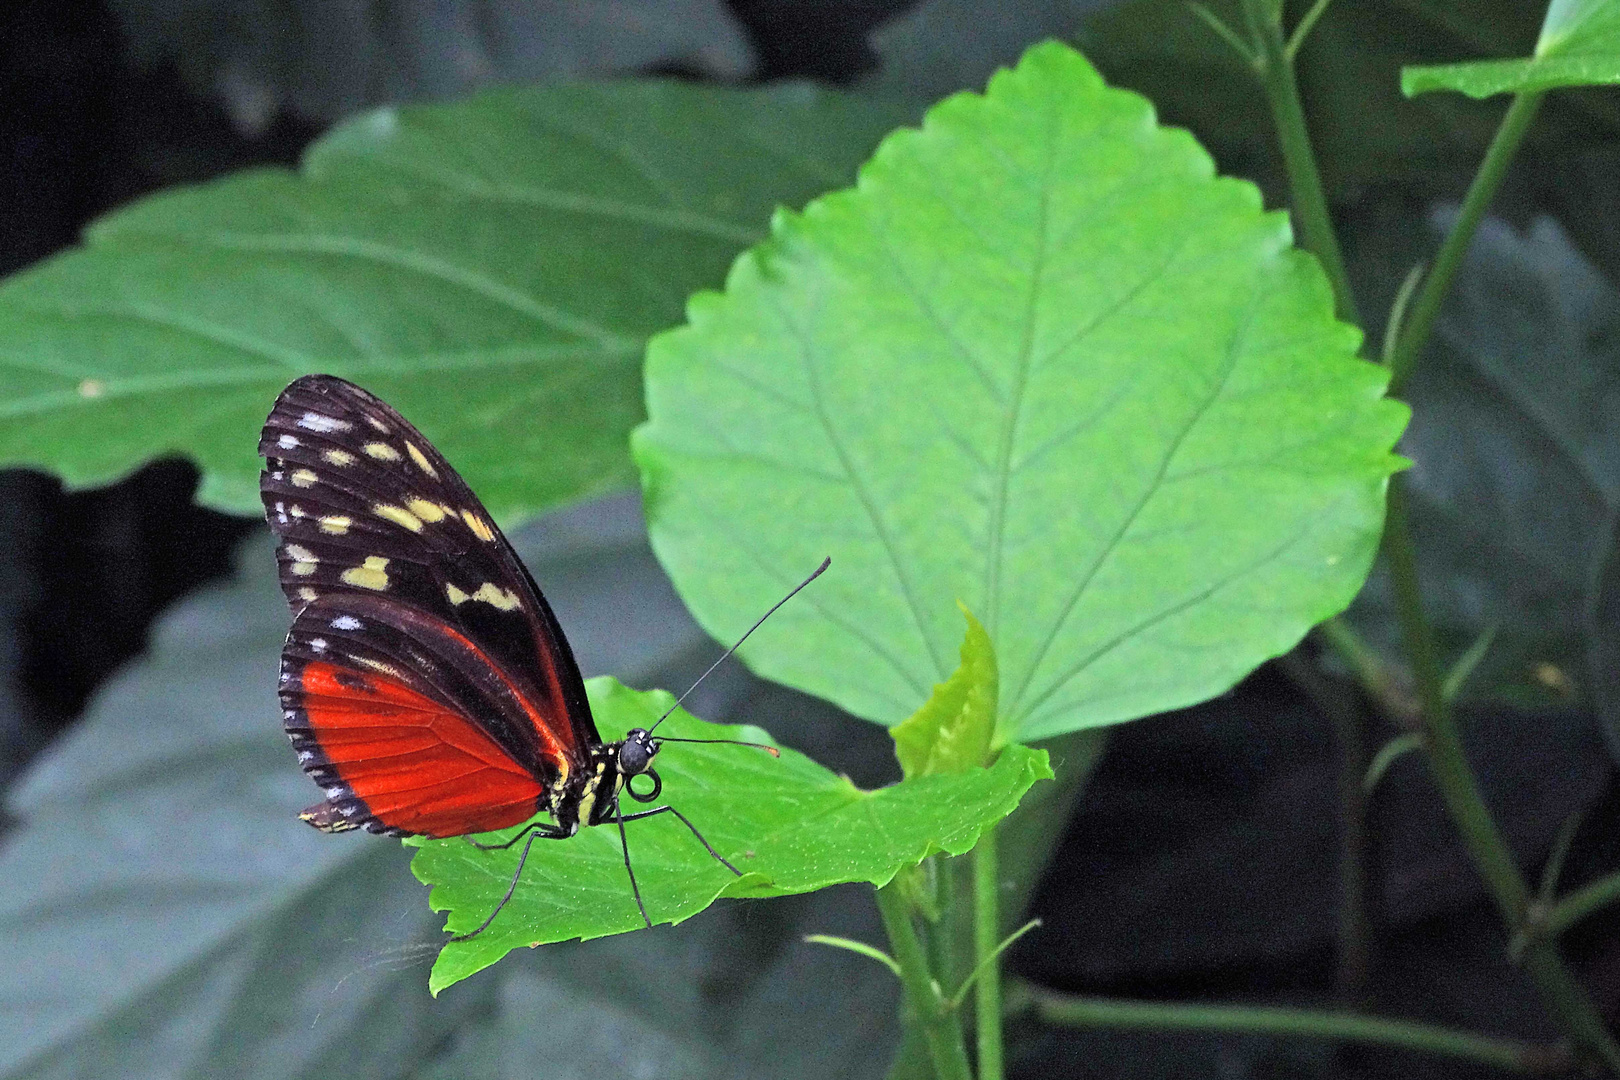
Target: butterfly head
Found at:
637, 751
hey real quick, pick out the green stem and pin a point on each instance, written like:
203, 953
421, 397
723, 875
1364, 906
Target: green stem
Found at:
940, 1026
1420, 321
1579, 904
1089, 1012
1464, 804
1369, 668
1353, 974
1276, 68
987, 948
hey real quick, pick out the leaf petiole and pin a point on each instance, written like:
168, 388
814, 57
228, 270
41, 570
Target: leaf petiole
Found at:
854, 946
957, 998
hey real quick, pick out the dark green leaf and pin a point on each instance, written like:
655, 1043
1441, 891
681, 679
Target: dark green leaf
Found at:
1040, 359
1579, 46
790, 825
1362, 128
515, 249
160, 912
1516, 480
163, 913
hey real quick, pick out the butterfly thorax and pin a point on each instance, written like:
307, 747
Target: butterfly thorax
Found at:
590, 796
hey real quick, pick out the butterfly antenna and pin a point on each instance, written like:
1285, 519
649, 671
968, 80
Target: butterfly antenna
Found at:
771, 750
817, 572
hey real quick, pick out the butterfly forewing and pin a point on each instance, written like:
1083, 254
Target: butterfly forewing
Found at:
425, 682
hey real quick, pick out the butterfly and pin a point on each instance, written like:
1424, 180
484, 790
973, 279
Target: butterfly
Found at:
426, 685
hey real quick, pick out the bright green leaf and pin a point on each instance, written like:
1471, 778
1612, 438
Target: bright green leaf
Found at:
1040, 359
490, 267
1579, 46
789, 824
953, 729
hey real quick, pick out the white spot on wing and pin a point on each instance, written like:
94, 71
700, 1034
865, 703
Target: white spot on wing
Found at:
287, 442
318, 644
347, 622
314, 421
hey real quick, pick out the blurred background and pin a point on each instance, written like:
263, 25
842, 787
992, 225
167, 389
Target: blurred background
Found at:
1202, 860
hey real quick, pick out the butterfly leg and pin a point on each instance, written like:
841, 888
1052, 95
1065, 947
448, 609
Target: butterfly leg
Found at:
540, 830
671, 810
503, 845
624, 843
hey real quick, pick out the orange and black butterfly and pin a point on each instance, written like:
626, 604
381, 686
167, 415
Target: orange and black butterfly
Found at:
425, 684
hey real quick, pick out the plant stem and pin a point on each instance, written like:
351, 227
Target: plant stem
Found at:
1353, 973
1276, 68
1486, 848
940, 1026
1090, 1012
1578, 905
1420, 321
986, 948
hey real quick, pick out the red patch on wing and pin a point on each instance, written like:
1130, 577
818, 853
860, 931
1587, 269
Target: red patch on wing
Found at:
417, 765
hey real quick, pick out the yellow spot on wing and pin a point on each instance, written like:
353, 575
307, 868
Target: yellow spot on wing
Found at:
378, 424
421, 460
480, 528
306, 593
492, 594
339, 457
304, 478
381, 451
430, 512
378, 665
399, 516
369, 576
302, 554
456, 595
336, 524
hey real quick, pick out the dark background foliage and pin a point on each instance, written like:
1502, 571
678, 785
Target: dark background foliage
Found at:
1203, 860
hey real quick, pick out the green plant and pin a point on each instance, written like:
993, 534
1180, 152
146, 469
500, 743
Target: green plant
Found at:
1040, 366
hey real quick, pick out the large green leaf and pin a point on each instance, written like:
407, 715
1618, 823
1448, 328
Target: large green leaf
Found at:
492, 268
1042, 361
1579, 46
789, 824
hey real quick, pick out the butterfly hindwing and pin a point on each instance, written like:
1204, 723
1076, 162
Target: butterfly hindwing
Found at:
426, 683
379, 702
